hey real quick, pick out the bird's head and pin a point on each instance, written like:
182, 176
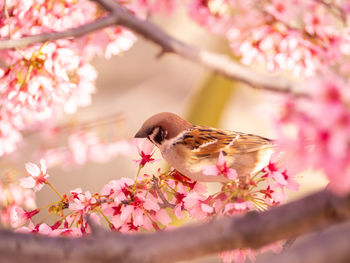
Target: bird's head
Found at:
161, 127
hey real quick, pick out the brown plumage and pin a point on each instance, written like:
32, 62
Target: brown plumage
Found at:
188, 148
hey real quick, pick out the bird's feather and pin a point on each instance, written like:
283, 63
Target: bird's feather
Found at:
242, 151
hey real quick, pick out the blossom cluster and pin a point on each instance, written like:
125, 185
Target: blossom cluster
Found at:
43, 81
315, 132
13, 198
85, 146
293, 35
151, 202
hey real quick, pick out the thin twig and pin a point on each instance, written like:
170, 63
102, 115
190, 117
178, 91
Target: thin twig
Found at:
160, 194
50, 36
79, 126
333, 8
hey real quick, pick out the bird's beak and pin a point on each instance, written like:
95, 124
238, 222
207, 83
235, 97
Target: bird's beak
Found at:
141, 134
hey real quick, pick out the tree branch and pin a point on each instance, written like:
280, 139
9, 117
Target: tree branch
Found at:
70, 33
252, 230
330, 246
218, 63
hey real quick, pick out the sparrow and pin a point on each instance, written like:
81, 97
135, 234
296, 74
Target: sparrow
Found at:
188, 148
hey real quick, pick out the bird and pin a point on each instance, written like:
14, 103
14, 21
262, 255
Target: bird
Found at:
188, 148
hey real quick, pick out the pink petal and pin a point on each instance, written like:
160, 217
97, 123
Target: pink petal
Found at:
43, 166
279, 196
221, 160
250, 254
76, 206
45, 229
229, 207
210, 170
178, 211
126, 213
147, 147
116, 221
163, 217
292, 185
200, 188
38, 187
147, 223
279, 178
274, 247
138, 217
27, 182
77, 190
232, 174
190, 201
207, 208
33, 169
150, 205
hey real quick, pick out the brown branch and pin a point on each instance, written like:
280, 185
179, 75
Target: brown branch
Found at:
252, 230
70, 33
331, 246
160, 194
334, 9
218, 63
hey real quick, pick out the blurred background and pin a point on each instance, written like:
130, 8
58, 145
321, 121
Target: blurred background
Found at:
137, 85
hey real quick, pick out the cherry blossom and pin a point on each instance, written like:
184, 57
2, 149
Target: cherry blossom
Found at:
45, 229
238, 255
40, 82
37, 177
280, 35
21, 216
320, 137
145, 152
198, 206
131, 206
80, 201
9, 139
220, 169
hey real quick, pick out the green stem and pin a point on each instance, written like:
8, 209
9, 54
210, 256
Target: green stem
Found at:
53, 188
46, 217
104, 216
137, 176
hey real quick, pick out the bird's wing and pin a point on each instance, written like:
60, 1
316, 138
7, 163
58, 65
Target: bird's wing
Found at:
207, 143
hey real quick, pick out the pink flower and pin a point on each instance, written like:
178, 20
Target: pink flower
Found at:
163, 217
37, 177
238, 207
238, 255
272, 170
43, 229
220, 169
9, 137
145, 152
291, 184
197, 205
122, 41
138, 213
21, 216
321, 132
81, 202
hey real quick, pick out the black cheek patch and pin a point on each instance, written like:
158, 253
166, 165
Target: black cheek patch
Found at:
160, 136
